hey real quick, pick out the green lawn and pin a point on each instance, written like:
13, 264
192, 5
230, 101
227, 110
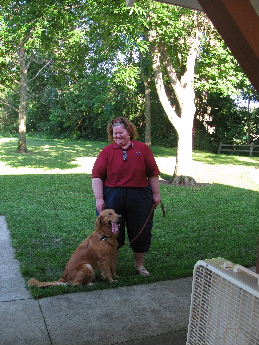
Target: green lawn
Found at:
49, 206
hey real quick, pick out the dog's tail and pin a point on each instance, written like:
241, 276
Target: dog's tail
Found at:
35, 282
85, 277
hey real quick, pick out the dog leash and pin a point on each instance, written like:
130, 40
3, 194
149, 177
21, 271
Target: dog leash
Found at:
163, 208
143, 227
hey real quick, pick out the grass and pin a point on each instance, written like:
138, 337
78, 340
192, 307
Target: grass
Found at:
50, 209
48, 154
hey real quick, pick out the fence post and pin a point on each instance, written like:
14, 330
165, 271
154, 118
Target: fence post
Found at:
251, 149
220, 144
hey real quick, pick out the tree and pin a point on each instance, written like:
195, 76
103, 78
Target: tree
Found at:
22, 144
86, 61
182, 43
146, 78
28, 28
175, 76
184, 92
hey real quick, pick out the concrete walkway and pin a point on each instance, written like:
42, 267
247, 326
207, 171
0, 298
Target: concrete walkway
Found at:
144, 314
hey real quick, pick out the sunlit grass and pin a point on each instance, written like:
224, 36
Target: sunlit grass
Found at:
216, 159
47, 155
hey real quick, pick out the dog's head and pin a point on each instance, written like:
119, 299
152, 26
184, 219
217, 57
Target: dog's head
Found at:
108, 222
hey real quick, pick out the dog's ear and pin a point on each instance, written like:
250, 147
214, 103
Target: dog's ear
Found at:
98, 223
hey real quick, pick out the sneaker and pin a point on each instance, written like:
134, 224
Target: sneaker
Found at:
142, 271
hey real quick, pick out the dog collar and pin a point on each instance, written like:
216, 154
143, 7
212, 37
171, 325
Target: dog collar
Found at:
104, 237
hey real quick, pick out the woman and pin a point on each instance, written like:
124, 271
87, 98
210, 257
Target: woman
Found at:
125, 178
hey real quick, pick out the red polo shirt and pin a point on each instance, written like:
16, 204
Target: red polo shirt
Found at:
132, 172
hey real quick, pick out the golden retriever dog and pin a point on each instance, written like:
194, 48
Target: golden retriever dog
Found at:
96, 252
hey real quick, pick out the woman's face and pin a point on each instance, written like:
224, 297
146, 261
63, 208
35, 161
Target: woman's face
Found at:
120, 135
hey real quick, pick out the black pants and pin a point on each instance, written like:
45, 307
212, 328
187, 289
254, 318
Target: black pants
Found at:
134, 205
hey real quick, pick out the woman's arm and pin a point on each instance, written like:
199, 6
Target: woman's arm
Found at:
97, 185
154, 183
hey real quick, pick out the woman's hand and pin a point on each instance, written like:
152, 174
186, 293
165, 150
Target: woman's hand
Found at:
100, 205
156, 198
97, 185
154, 182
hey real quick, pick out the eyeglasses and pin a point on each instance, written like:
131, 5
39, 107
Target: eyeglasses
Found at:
124, 155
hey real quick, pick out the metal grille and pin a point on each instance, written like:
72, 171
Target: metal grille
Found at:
221, 312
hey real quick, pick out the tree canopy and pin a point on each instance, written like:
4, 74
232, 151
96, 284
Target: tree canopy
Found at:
68, 67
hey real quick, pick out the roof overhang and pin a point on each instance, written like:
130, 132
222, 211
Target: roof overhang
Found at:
192, 4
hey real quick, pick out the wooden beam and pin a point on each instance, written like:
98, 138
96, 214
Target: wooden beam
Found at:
238, 24
247, 21
193, 4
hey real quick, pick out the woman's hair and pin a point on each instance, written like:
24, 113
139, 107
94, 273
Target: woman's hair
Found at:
133, 133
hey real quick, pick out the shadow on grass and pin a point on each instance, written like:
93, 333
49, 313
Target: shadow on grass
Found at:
49, 215
48, 153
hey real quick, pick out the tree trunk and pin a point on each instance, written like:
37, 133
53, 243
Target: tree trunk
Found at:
22, 142
183, 174
147, 112
249, 139
146, 80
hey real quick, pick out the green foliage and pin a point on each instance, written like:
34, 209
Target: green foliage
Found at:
9, 116
218, 70
85, 68
127, 76
230, 122
221, 118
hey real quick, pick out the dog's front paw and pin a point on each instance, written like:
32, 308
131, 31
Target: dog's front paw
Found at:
115, 276
110, 280
90, 284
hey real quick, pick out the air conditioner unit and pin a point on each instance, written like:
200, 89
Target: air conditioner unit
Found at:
224, 305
